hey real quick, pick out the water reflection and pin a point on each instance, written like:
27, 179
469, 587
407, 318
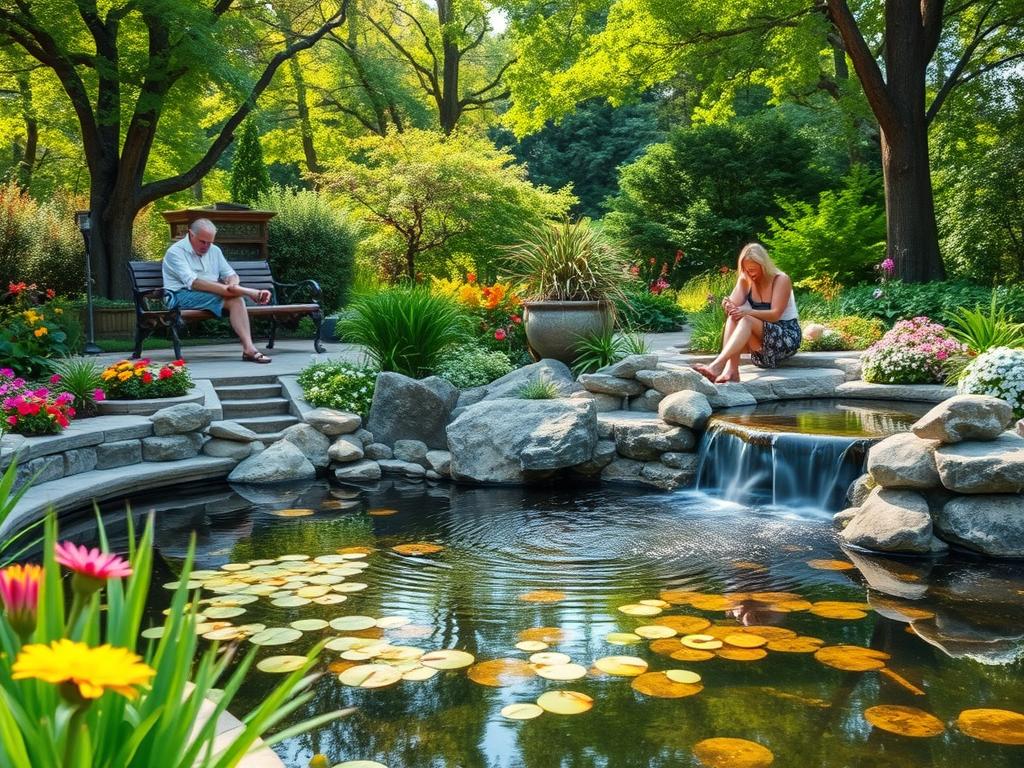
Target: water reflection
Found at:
604, 548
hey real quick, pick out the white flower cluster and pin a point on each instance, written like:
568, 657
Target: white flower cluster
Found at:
339, 385
999, 372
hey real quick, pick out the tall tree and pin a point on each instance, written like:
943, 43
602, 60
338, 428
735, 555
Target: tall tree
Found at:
249, 177
128, 67
908, 57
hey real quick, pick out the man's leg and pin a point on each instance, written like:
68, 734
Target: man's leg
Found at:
239, 318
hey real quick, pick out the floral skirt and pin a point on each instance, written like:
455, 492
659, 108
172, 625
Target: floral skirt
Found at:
780, 340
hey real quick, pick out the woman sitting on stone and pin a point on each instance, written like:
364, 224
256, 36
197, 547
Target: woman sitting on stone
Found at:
762, 318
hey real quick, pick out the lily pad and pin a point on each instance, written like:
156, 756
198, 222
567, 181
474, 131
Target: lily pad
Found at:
550, 657
661, 686
531, 646
523, 711
998, 726
637, 609
447, 659
621, 666
276, 636
370, 676
654, 631
281, 664
904, 721
352, 623
565, 702
732, 753
562, 671
624, 638
308, 625
497, 673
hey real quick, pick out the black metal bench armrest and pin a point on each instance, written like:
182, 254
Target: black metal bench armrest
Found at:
142, 299
290, 291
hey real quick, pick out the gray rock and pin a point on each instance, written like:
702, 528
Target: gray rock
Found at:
229, 430
545, 370
333, 422
687, 461
496, 441
169, 447
648, 401
468, 397
666, 478
891, 520
990, 524
10, 444
674, 380
646, 442
44, 469
859, 490
227, 449
280, 462
603, 403
346, 448
1020, 428
397, 467
377, 451
965, 417
447, 392
432, 475
623, 471
903, 461
996, 466
364, 436
842, 518
628, 366
604, 453
610, 385
79, 460
257, 447
731, 395
308, 439
898, 576
685, 408
120, 453
358, 471
440, 462
407, 409
179, 419
414, 451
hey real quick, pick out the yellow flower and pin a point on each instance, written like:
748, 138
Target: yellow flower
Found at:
124, 375
469, 295
124, 366
108, 374
93, 670
41, 331
58, 311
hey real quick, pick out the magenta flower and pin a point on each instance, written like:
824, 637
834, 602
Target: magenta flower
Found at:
19, 593
99, 394
888, 266
91, 566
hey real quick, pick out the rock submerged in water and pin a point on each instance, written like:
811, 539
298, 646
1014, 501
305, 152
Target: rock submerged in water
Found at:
990, 524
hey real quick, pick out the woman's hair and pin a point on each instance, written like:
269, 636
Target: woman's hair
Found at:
756, 253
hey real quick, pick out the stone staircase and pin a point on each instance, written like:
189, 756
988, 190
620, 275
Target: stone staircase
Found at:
257, 403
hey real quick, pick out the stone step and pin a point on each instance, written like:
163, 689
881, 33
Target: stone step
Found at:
264, 406
248, 391
265, 425
244, 380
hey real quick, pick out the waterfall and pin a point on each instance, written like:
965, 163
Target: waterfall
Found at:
783, 468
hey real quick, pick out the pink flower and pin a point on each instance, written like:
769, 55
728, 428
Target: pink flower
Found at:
19, 593
500, 334
55, 379
93, 566
99, 394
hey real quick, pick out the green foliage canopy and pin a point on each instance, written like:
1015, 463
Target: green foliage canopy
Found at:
249, 177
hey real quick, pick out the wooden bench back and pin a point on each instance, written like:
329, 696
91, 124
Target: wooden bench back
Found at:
148, 275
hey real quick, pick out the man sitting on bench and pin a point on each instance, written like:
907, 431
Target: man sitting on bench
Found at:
197, 274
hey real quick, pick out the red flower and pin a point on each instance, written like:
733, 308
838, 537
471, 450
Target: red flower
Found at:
50, 293
16, 288
165, 373
516, 319
500, 334
470, 278
147, 377
723, 270
178, 363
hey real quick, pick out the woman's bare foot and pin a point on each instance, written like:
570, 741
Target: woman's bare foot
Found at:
706, 372
726, 378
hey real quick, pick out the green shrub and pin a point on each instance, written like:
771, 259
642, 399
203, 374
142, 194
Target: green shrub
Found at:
249, 177
640, 310
406, 330
980, 331
310, 239
846, 333
32, 331
694, 294
902, 301
472, 366
80, 378
708, 326
339, 385
539, 389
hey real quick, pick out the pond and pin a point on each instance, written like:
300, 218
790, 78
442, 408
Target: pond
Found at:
557, 565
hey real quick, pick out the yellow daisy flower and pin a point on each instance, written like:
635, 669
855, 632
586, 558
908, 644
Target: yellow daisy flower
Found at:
124, 375
93, 670
108, 374
124, 366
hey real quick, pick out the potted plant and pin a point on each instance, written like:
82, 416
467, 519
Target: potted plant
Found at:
571, 275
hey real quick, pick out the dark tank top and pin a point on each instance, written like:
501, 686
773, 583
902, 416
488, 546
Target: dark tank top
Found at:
759, 304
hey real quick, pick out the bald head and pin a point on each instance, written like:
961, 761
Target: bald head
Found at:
201, 234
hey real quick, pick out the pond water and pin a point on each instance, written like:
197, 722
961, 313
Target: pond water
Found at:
952, 630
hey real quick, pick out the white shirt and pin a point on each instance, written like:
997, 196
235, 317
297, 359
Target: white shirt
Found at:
182, 266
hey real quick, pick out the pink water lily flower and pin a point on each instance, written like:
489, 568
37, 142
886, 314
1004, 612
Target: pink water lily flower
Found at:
92, 563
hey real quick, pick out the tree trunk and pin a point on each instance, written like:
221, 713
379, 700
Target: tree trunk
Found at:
27, 163
449, 107
110, 246
911, 232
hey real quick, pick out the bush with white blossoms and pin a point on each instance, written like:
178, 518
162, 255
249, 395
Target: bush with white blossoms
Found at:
339, 385
915, 351
472, 366
999, 372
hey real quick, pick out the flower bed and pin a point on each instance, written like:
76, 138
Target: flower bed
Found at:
999, 372
141, 380
914, 351
28, 411
338, 385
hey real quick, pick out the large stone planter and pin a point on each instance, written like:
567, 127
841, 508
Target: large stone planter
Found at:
554, 328
147, 407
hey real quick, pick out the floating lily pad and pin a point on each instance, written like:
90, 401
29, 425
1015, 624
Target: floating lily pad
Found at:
656, 603
714, 602
549, 635
621, 666
235, 567
741, 654
290, 602
381, 512
800, 644
281, 664
330, 599
531, 646
550, 658
851, 658
743, 640
654, 631
231, 633
522, 711
565, 702
683, 676
691, 654
352, 623
276, 636
677, 596
998, 726
831, 565
398, 654
417, 549
904, 721
350, 586
230, 601
292, 512
683, 625
419, 674
292, 558
189, 585
329, 559
701, 642
348, 643
562, 671
370, 676
497, 673
732, 753
447, 659
226, 612
308, 625
542, 596
624, 638
311, 591
833, 612
660, 685
637, 609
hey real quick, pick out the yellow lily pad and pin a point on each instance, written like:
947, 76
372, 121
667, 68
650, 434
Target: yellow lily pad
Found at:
549, 635
447, 659
565, 702
370, 676
331, 599
499, 672
381, 512
732, 753
624, 638
661, 686
654, 631
522, 711
352, 623
684, 676
290, 602
531, 646
417, 549
831, 565
621, 666
701, 642
851, 658
562, 671
550, 657
638, 609
419, 674
280, 664
904, 721
997, 726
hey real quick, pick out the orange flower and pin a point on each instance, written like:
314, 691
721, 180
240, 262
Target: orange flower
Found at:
41, 331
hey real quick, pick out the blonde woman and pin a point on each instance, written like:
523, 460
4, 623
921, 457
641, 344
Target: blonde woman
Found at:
762, 318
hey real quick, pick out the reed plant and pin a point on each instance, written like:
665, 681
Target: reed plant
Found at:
707, 328
598, 350
697, 291
539, 389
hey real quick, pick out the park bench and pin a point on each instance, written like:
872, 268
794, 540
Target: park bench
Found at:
153, 306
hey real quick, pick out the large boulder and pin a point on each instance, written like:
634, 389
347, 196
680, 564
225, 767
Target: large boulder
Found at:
674, 380
611, 385
179, 419
407, 409
859, 489
333, 422
627, 367
685, 408
509, 385
990, 524
965, 417
891, 521
903, 461
313, 444
502, 441
647, 441
444, 389
279, 463
996, 466
170, 447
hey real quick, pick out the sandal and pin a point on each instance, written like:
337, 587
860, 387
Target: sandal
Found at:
255, 357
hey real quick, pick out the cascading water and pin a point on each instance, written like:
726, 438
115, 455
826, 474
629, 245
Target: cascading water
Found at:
797, 454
